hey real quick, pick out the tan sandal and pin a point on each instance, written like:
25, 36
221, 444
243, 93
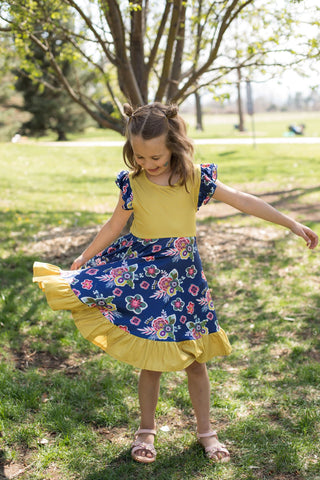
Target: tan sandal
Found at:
213, 452
146, 447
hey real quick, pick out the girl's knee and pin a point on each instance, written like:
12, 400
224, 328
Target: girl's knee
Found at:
151, 373
196, 368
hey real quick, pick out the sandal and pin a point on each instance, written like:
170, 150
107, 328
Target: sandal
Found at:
148, 448
213, 452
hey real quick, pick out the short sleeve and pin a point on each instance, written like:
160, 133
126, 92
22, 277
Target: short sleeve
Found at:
208, 173
123, 182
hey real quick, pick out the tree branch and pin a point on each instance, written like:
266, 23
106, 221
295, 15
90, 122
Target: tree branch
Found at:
166, 70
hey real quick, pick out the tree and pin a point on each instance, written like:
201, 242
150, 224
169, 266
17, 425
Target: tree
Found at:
137, 52
51, 108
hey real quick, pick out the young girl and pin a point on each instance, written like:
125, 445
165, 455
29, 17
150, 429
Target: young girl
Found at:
144, 298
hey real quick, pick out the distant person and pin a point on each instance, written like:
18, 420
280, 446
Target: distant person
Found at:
144, 298
297, 129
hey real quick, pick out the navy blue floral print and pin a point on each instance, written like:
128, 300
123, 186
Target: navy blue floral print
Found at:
151, 288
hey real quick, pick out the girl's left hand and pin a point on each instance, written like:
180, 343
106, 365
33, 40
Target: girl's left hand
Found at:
306, 233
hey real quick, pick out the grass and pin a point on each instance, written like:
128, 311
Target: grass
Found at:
273, 124
68, 411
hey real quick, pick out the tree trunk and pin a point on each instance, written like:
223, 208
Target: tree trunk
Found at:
199, 125
240, 125
61, 136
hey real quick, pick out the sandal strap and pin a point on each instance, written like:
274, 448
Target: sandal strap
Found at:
220, 449
143, 446
213, 433
146, 430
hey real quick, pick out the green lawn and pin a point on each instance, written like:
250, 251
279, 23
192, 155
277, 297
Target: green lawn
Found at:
268, 124
68, 411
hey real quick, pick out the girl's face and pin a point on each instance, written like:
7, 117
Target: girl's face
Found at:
152, 155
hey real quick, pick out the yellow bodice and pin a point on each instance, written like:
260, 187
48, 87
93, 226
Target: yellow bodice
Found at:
164, 211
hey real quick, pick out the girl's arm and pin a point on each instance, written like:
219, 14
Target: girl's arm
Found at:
255, 206
108, 234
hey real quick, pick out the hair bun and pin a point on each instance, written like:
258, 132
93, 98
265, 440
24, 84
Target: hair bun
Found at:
172, 111
128, 110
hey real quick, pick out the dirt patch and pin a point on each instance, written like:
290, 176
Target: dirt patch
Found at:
44, 361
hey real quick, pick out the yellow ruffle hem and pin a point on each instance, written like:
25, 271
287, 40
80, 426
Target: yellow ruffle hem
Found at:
139, 352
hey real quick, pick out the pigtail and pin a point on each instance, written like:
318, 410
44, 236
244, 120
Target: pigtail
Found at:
171, 111
128, 110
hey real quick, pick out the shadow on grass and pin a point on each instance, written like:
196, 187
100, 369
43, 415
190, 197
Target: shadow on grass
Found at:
189, 463
282, 199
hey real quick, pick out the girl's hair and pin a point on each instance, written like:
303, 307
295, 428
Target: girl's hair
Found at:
151, 121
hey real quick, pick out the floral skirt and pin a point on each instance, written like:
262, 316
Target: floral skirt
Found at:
144, 301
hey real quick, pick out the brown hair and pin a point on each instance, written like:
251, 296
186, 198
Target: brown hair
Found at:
151, 121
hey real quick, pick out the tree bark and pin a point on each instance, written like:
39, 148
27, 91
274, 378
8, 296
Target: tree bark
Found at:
240, 126
199, 125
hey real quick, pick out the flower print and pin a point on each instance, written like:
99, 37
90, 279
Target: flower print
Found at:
149, 258
76, 292
191, 271
183, 319
136, 304
164, 326
104, 303
147, 241
117, 291
99, 262
181, 242
111, 250
135, 321
164, 283
206, 301
193, 289
151, 271
87, 284
178, 304
92, 271
145, 285
123, 275
130, 253
168, 285
159, 322
184, 245
124, 328
190, 308
209, 315
198, 328
156, 248
203, 275
209, 300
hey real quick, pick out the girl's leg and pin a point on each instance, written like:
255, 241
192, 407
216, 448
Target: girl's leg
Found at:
149, 387
199, 389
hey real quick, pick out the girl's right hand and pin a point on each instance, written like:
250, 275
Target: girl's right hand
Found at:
78, 263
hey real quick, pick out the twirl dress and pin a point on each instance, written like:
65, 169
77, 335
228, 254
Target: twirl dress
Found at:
145, 299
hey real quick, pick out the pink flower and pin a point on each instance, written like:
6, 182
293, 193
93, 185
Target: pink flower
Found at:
76, 292
111, 250
145, 285
124, 328
156, 248
194, 290
92, 271
190, 308
135, 321
87, 284
181, 243
183, 319
117, 291
150, 258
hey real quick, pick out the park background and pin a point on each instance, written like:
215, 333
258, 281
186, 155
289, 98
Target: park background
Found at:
67, 410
